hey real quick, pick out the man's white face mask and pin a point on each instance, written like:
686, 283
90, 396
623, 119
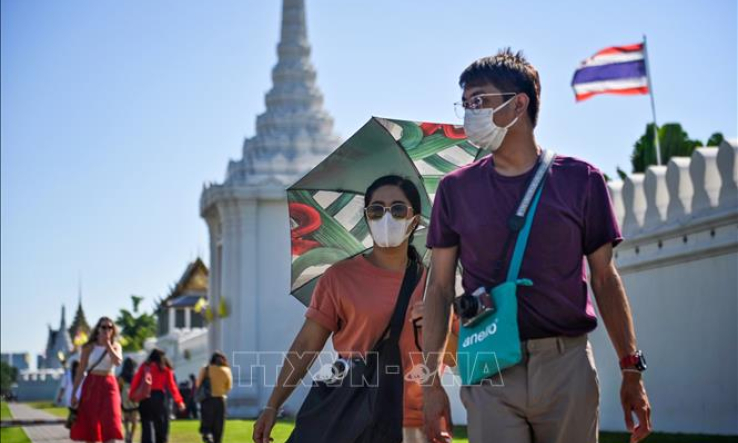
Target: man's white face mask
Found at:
389, 232
481, 129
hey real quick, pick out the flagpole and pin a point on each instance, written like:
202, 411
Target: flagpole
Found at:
653, 105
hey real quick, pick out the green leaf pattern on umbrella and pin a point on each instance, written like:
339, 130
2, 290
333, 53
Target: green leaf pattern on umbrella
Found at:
436, 149
341, 231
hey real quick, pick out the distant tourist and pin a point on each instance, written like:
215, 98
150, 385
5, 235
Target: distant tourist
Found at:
191, 403
213, 408
129, 407
154, 411
67, 383
98, 408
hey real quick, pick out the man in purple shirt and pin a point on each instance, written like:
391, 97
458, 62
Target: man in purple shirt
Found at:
552, 395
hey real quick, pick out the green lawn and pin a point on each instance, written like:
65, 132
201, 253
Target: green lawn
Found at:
13, 435
239, 431
10, 435
4, 411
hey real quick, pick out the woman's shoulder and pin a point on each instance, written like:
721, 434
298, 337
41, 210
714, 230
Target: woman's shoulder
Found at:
343, 267
224, 369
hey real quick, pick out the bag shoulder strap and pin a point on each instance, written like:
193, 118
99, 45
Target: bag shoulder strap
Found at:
99, 360
409, 281
526, 205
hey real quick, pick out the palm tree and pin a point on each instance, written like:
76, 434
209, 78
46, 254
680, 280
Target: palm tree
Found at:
135, 328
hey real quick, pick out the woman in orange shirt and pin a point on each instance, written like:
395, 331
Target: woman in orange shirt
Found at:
153, 410
354, 300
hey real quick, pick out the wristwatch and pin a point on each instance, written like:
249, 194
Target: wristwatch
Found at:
635, 361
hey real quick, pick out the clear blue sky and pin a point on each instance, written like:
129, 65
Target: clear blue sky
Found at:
115, 113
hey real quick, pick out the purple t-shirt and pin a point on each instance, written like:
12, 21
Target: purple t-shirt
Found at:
574, 218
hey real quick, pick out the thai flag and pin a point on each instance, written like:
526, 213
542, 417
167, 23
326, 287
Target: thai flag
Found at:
615, 70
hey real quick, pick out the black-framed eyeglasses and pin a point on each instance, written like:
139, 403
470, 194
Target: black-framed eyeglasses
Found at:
398, 211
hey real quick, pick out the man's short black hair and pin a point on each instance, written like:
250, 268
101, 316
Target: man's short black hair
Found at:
508, 72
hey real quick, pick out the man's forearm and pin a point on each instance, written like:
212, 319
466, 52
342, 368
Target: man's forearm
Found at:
294, 368
437, 312
615, 311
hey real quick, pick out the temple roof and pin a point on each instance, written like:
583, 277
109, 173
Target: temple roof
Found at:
191, 287
79, 324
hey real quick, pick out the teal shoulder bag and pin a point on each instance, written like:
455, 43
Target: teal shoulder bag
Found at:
493, 343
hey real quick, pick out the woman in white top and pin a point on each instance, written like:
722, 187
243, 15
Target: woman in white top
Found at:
98, 409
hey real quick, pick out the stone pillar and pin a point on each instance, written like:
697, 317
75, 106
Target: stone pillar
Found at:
728, 167
634, 201
172, 319
679, 185
657, 196
705, 179
214, 280
240, 277
250, 297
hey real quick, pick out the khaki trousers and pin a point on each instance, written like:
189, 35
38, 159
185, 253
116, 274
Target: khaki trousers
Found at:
552, 396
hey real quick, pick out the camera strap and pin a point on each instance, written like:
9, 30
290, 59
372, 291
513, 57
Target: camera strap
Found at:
516, 222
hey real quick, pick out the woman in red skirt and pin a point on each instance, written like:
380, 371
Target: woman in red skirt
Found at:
98, 408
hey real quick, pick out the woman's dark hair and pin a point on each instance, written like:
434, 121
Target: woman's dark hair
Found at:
127, 370
96, 330
159, 357
412, 195
218, 358
508, 72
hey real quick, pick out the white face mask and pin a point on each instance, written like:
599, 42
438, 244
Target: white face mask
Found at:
389, 232
481, 129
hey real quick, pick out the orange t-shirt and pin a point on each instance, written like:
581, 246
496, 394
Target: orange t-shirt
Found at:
355, 299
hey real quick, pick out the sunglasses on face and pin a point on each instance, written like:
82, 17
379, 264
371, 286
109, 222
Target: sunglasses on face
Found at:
106, 327
398, 211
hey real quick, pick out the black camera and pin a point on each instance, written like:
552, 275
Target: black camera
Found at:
471, 308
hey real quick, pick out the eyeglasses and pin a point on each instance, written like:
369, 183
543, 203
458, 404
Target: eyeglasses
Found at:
477, 103
398, 211
106, 327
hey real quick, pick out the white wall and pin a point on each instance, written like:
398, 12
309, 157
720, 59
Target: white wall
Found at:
679, 264
187, 349
42, 384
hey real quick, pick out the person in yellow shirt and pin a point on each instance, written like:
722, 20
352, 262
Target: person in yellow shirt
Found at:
213, 408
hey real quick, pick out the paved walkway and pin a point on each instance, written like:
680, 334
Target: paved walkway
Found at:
39, 433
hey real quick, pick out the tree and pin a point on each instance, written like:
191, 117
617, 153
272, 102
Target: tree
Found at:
8, 376
675, 142
715, 139
135, 328
622, 174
